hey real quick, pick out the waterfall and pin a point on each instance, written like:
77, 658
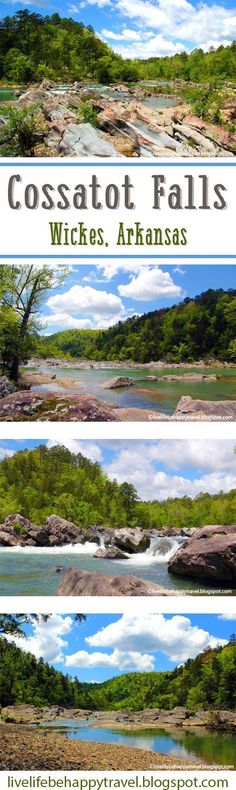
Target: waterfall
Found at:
160, 550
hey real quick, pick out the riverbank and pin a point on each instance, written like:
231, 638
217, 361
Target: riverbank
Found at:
129, 121
22, 749
224, 720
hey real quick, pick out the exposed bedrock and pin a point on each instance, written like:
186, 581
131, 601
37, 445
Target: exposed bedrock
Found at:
209, 555
76, 582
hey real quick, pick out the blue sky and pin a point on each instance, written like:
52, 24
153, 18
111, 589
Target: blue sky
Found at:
99, 295
107, 645
145, 28
157, 468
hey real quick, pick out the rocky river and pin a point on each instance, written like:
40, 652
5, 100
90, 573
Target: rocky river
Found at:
131, 121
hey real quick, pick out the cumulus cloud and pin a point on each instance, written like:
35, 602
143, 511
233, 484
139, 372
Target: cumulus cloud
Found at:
177, 638
90, 450
150, 283
84, 307
48, 640
138, 462
229, 616
118, 659
176, 23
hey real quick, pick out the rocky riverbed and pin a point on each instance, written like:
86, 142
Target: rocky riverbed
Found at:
126, 124
206, 554
24, 749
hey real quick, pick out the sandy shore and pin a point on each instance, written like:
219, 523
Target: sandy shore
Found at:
23, 749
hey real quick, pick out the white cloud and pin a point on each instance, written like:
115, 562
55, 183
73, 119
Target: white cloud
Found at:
150, 283
84, 307
214, 454
90, 450
73, 9
118, 659
126, 34
177, 638
48, 639
174, 24
138, 465
5, 453
229, 616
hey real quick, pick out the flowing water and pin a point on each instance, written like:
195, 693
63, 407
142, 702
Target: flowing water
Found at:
38, 570
212, 748
145, 394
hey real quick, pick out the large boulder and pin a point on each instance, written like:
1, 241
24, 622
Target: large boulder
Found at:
132, 540
84, 140
209, 555
64, 531
76, 582
118, 381
189, 408
8, 540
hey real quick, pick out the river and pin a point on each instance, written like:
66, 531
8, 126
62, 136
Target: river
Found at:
145, 394
35, 570
203, 746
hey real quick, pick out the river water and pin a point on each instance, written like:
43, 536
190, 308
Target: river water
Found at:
145, 394
38, 570
212, 748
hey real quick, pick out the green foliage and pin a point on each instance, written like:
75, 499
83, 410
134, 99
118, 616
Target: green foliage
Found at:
208, 681
34, 47
20, 133
36, 483
19, 529
88, 114
21, 292
194, 329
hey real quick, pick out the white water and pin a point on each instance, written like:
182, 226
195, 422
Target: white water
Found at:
160, 550
70, 548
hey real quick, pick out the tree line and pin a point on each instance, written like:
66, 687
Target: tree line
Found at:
208, 681
42, 481
195, 329
34, 47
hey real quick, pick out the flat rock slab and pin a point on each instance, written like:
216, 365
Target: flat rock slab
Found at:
76, 582
208, 409
50, 406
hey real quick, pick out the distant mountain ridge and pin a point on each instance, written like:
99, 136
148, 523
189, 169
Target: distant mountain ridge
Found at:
192, 330
208, 681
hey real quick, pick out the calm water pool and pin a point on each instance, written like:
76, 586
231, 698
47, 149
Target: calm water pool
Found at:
156, 395
212, 748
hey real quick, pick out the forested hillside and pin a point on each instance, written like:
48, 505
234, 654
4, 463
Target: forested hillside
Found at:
33, 47
208, 681
39, 482
194, 329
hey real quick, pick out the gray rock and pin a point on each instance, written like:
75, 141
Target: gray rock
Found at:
188, 408
209, 555
118, 381
131, 540
6, 387
76, 582
83, 140
113, 553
